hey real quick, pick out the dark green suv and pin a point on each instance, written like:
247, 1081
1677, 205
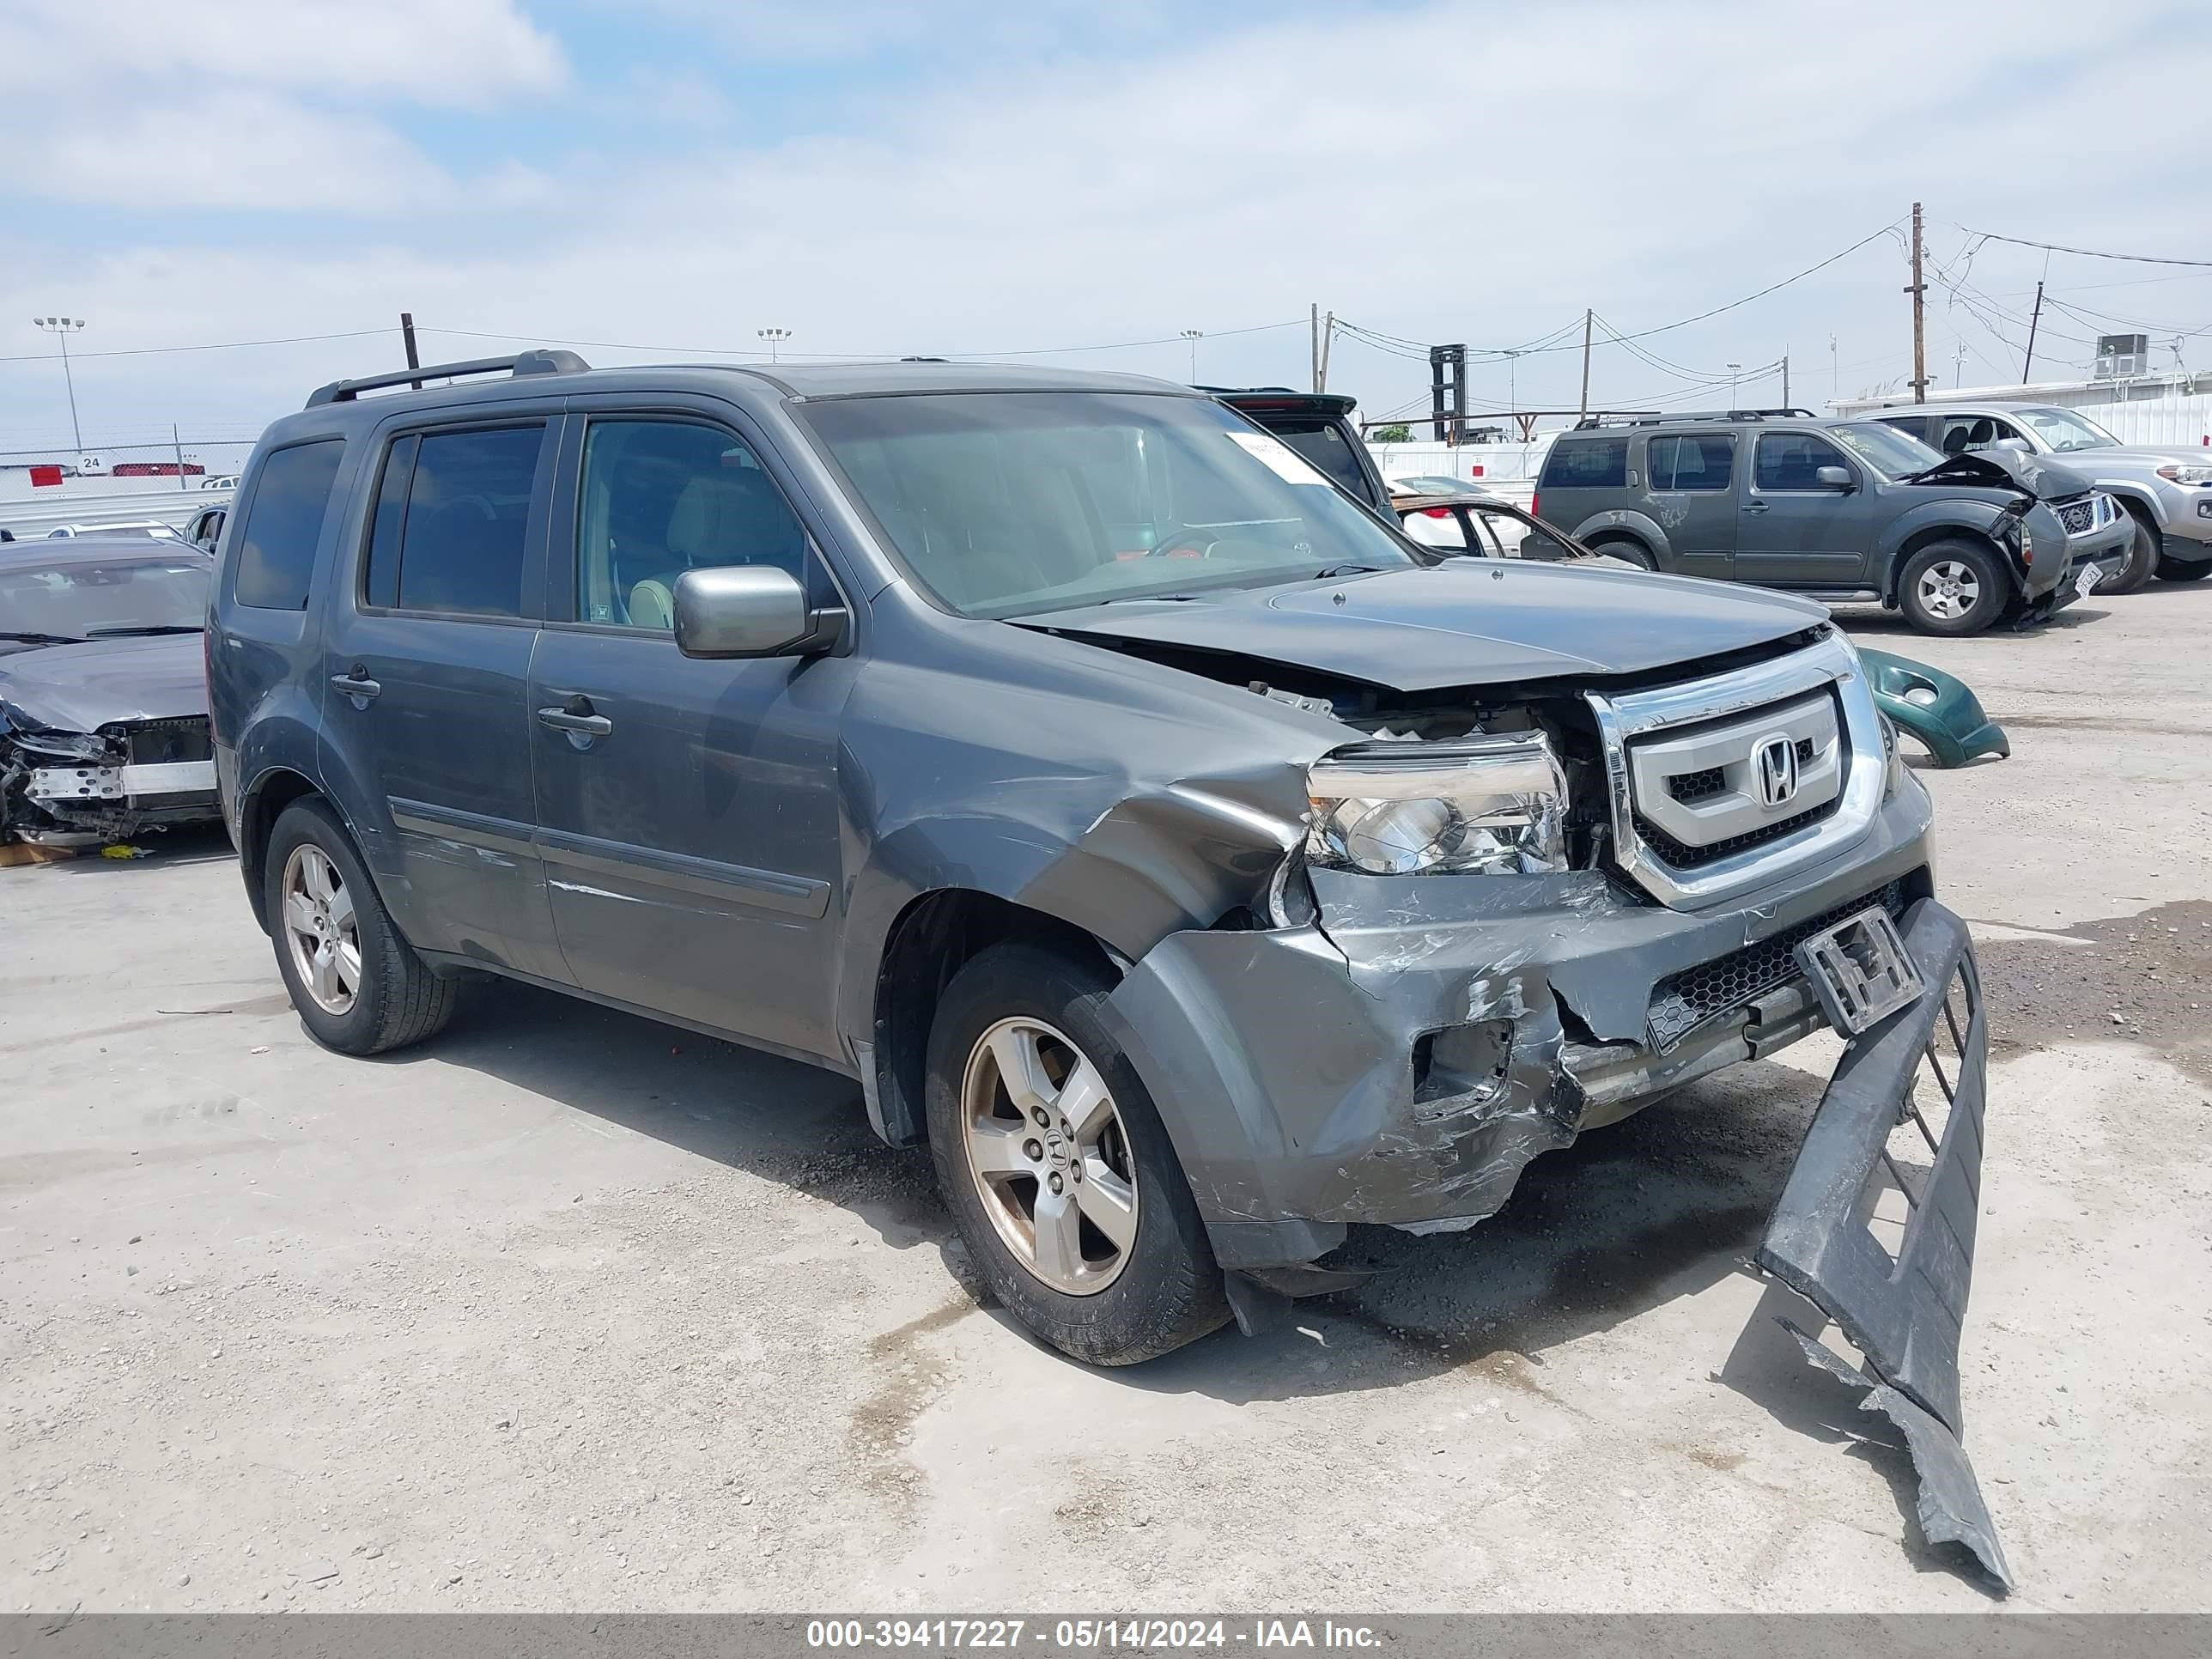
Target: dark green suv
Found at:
1844, 511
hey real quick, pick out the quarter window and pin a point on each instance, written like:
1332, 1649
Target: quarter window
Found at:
1586, 464
662, 497
283, 525
1692, 461
1789, 460
450, 532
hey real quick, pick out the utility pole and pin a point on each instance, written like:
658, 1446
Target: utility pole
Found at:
61, 328
1315, 324
1835, 376
407, 339
1327, 335
1785, 377
1918, 291
178, 444
1583, 413
1733, 368
2034, 318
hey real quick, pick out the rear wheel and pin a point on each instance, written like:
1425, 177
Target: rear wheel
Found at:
2171, 569
1628, 548
359, 986
1953, 588
1054, 1163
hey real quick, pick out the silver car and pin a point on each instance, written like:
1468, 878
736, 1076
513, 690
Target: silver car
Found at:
2167, 490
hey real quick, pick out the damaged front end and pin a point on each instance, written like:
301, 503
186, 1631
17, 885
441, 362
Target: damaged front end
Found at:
1532, 917
63, 788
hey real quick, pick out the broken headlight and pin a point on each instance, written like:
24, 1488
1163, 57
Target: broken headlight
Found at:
1490, 806
62, 745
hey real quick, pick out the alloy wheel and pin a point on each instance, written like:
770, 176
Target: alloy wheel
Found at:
1949, 589
1048, 1154
321, 929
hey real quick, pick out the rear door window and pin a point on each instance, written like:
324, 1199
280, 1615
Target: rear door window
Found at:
1323, 447
1692, 461
283, 525
1913, 426
1586, 464
450, 532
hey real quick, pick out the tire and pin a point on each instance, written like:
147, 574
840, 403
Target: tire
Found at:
2143, 553
2171, 569
1105, 1301
1953, 588
1626, 547
395, 999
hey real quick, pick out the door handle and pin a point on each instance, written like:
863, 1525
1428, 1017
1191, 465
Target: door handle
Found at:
576, 717
1755, 506
356, 684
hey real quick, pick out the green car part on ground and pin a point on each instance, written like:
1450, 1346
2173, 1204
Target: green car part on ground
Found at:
1938, 708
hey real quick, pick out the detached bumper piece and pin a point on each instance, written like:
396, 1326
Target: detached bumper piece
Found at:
1938, 708
1876, 1224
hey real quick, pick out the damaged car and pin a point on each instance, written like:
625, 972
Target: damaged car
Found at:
1196, 867
103, 693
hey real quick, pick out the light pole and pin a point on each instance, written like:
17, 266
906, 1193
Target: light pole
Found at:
61, 328
1194, 336
1732, 369
774, 337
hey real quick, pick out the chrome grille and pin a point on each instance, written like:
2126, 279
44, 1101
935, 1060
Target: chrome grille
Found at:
2079, 517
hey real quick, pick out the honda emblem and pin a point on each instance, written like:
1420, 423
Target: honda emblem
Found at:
1774, 763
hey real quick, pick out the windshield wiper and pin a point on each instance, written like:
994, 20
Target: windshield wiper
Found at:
40, 639
126, 629
1335, 570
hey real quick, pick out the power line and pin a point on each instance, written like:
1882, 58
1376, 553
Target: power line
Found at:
849, 356
2086, 253
219, 345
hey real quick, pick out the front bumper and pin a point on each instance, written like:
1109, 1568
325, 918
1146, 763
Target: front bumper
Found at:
1872, 1148
1401, 1061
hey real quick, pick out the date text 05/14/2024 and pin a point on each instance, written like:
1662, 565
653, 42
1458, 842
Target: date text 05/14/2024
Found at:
1087, 1635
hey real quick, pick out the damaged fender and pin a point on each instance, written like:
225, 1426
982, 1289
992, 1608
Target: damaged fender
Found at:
1939, 710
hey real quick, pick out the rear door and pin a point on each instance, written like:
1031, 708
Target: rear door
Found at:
687, 810
1692, 478
1795, 532
426, 663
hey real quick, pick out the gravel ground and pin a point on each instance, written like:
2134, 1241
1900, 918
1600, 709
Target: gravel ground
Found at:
570, 1310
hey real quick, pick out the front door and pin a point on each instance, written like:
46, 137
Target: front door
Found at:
1693, 497
425, 665
687, 810
1795, 532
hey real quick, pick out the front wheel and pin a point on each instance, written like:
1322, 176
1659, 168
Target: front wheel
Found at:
1953, 588
2171, 569
2142, 559
1054, 1163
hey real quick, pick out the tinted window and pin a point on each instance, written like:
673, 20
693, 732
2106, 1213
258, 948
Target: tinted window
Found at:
1787, 460
283, 523
461, 544
661, 497
1692, 461
1324, 446
380, 579
1586, 464
1913, 426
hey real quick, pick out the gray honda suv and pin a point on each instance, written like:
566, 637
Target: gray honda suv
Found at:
1197, 868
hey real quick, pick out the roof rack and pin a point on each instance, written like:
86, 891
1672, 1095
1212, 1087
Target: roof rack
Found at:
540, 361
1659, 418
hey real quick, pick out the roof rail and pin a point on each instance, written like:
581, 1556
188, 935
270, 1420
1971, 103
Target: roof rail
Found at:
540, 361
1658, 418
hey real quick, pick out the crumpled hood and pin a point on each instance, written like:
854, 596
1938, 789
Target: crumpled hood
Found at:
81, 688
2037, 476
1466, 622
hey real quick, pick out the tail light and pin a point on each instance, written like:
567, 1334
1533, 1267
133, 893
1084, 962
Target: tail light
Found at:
1535, 509
1436, 512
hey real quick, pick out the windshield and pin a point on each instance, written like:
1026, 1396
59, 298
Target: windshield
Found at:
2062, 429
1887, 451
1006, 504
77, 601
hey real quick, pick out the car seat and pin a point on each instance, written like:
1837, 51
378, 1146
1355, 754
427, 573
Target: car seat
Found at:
733, 516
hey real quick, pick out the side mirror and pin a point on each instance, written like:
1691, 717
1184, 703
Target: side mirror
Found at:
2018, 445
1834, 477
751, 611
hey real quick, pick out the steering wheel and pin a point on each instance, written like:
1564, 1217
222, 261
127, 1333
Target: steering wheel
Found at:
1200, 542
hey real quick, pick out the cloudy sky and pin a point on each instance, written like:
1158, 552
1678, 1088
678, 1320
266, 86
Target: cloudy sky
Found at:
662, 178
